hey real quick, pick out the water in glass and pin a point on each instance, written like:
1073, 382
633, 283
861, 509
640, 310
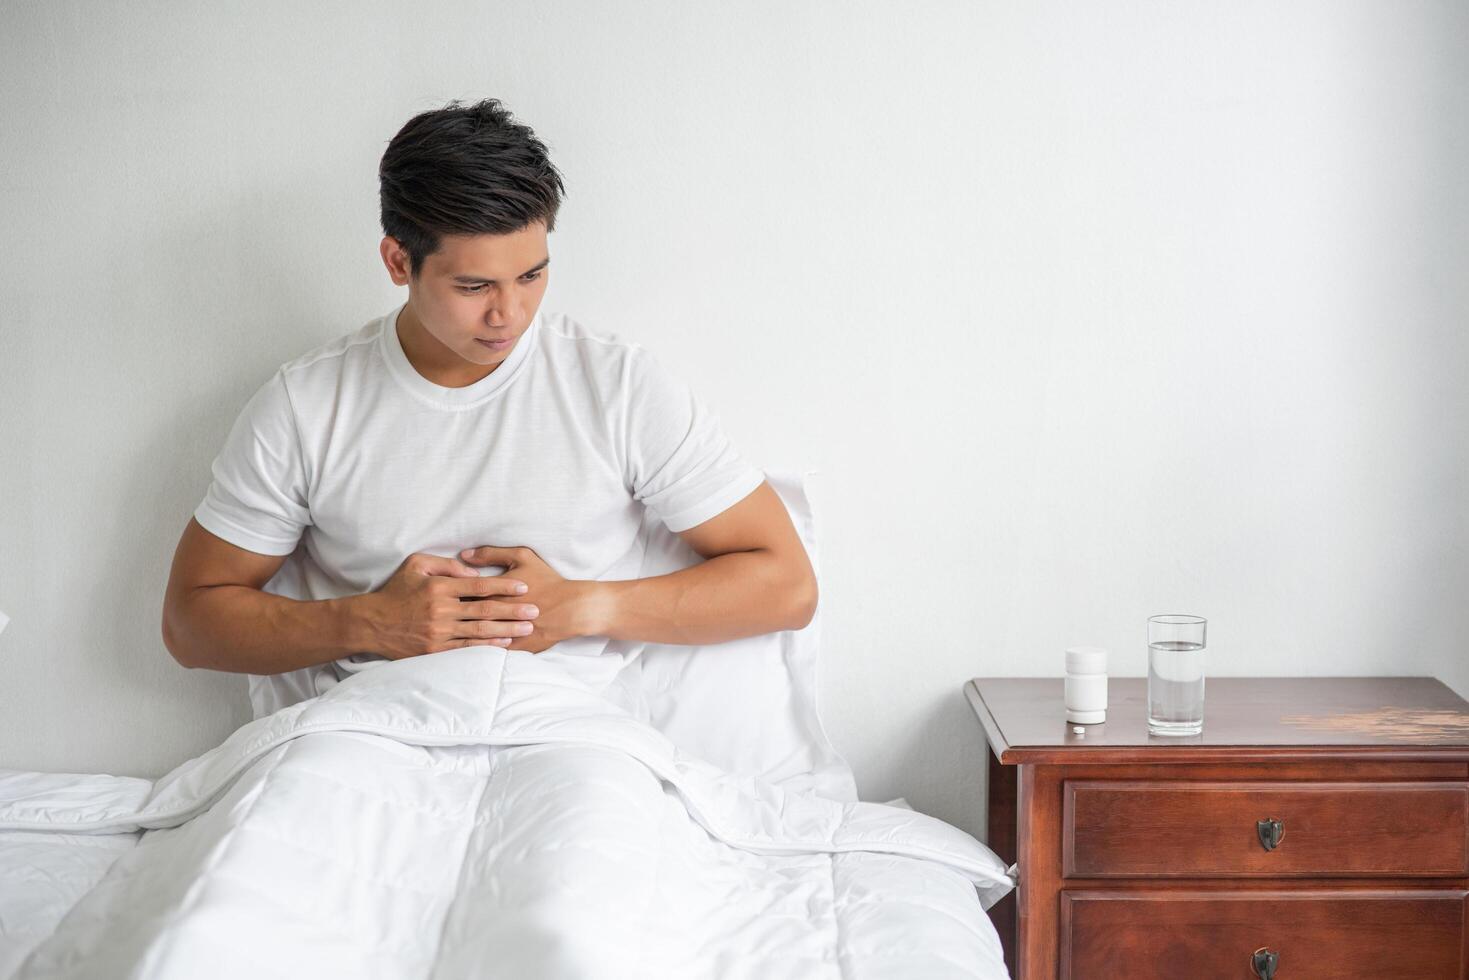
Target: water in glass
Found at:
1175, 687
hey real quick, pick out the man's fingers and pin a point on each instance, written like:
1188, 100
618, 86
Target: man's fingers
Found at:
486, 630
489, 554
438, 565
489, 609
501, 628
488, 585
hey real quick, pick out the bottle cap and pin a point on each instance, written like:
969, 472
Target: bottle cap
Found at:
1086, 660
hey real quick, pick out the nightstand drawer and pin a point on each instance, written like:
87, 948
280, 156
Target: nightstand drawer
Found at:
1155, 935
1161, 828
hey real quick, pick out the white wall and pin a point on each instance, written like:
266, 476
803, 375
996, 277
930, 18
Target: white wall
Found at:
1085, 312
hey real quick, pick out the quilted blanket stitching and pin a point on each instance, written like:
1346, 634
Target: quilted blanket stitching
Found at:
657, 879
473, 825
836, 916
196, 887
473, 828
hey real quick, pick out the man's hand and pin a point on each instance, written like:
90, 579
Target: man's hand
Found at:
419, 610
564, 604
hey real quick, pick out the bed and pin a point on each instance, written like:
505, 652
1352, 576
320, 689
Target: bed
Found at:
483, 812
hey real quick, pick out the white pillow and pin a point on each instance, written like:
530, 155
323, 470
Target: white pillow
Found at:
747, 705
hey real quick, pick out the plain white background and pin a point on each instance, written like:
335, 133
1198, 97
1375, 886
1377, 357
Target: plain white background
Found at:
1084, 311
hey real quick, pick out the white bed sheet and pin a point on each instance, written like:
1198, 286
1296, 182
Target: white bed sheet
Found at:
476, 813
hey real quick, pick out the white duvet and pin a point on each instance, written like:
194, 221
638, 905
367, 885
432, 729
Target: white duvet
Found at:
483, 813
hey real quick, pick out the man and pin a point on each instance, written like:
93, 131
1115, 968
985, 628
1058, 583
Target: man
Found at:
367, 489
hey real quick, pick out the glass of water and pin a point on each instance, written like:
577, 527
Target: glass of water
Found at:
1175, 675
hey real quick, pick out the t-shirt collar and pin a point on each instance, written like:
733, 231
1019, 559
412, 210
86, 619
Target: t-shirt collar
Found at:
437, 395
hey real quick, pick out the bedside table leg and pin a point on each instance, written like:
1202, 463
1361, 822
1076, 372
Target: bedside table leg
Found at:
1000, 803
1038, 852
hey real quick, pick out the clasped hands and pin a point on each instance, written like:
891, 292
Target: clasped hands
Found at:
433, 603
557, 605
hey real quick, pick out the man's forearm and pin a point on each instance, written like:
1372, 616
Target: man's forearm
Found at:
726, 597
237, 628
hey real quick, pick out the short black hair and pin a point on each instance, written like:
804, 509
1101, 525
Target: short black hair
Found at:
464, 170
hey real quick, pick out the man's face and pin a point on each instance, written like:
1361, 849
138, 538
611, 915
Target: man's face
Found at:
477, 294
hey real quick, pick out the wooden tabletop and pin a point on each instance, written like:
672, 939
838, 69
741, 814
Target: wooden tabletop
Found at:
1244, 717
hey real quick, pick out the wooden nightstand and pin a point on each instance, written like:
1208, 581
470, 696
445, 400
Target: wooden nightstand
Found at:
1319, 822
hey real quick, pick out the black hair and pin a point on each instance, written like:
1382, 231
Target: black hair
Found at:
464, 170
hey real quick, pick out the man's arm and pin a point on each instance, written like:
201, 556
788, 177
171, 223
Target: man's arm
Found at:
215, 616
756, 578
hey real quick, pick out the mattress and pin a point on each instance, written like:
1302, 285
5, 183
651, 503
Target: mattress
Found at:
476, 813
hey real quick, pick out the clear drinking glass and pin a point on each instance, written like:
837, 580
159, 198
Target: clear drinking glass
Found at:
1175, 675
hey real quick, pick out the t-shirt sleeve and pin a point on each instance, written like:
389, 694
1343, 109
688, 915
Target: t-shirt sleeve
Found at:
258, 497
681, 465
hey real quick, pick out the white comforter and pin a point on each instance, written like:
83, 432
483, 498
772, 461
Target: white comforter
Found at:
481, 813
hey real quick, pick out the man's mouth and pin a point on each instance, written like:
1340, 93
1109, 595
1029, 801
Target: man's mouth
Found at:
494, 344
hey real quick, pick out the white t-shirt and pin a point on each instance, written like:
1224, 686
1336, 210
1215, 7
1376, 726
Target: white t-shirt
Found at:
348, 460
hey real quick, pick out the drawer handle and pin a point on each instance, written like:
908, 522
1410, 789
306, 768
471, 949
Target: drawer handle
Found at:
1270, 832
1264, 962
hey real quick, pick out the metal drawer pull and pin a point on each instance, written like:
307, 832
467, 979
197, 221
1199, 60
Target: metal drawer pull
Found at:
1264, 962
1270, 832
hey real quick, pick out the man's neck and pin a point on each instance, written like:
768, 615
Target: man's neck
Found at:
433, 360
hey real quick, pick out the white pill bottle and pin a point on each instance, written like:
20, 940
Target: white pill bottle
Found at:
1086, 685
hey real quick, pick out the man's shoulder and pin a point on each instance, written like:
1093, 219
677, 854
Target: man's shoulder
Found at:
619, 371
564, 334
331, 354
607, 360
